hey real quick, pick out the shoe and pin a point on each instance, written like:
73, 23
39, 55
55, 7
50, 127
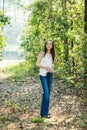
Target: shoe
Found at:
49, 114
46, 116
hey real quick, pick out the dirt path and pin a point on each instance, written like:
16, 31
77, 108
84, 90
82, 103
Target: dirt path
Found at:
20, 103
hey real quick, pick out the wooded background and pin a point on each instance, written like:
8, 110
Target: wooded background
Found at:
65, 23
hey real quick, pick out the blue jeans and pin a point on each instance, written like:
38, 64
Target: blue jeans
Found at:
46, 82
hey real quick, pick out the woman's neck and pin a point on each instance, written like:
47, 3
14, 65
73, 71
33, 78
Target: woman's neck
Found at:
48, 51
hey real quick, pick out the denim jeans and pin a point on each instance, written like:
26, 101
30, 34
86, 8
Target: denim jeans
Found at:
46, 82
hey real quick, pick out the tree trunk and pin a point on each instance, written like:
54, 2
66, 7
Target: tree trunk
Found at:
85, 46
72, 46
85, 17
66, 50
66, 47
3, 9
3, 6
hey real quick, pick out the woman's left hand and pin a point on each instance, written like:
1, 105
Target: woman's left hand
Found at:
50, 69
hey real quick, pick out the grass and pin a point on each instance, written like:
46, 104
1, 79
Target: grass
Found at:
20, 72
37, 120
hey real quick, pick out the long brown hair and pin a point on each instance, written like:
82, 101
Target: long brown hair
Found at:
52, 50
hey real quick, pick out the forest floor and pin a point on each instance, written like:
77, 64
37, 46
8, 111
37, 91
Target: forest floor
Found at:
20, 105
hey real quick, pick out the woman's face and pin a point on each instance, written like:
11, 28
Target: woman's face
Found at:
49, 45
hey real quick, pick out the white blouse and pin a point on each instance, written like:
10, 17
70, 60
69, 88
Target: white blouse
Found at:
45, 61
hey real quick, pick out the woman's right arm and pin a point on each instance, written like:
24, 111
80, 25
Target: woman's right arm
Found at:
38, 62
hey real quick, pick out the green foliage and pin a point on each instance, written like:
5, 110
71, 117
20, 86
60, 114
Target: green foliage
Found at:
2, 40
11, 103
20, 72
25, 109
82, 120
37, 120
64, 25
4, 19
2, 43
3, 117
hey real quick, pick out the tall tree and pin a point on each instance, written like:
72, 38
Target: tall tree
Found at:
85, 46
3, 9
66, 49
1, 37
3, 5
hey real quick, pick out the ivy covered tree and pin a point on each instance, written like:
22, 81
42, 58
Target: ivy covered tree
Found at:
3, 21
85, 46
2, 43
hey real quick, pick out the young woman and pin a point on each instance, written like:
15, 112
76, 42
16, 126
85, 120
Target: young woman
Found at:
45, 62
